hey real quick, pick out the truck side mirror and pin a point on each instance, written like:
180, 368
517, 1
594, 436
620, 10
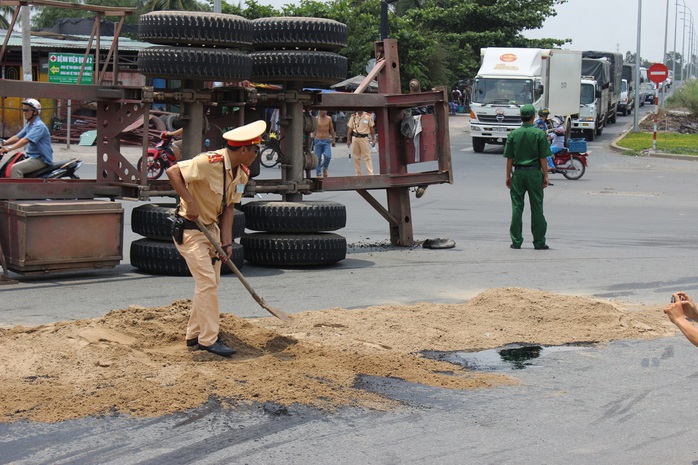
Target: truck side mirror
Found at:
539, 91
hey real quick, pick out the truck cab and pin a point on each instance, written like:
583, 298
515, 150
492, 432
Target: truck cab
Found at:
627, 98
511, 77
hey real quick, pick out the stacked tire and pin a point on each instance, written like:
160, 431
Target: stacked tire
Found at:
299, 49
294, 233
195, 46
156, 252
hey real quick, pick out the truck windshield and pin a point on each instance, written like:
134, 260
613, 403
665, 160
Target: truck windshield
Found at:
623, 85
504, 91
587, 94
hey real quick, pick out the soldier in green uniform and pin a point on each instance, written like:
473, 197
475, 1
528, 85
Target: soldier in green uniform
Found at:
526, 150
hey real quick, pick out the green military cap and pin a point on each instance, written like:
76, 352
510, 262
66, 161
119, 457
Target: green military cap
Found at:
528, 111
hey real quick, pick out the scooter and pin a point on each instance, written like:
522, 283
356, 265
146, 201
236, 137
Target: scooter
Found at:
571, 165
159, 158
58, 170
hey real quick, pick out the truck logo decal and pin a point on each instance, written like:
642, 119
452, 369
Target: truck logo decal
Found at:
499, 115
508, 57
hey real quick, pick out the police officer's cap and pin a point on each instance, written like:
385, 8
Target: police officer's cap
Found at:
528, 111
248, 134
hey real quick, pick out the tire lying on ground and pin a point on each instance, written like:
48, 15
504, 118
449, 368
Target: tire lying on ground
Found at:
195, 28
152, 221
163, 258
294, 217
210, 64
294, 249
311, 67
298, 32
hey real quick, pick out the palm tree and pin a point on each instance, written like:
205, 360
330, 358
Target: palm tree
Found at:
177, 5
6, 13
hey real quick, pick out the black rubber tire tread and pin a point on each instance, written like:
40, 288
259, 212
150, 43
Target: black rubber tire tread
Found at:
194, 63
294, 249
298, 65
163, 258
298, 32
196, 28
478, 145
151, 220
294, 217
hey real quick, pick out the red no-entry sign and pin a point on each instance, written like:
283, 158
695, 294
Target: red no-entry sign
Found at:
658, 73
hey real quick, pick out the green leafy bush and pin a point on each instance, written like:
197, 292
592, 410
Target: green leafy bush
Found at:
686, 97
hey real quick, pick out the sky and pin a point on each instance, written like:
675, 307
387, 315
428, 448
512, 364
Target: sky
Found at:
609, 25
616, 29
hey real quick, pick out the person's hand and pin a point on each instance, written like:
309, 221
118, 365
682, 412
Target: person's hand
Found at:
675, 310
164, 135
689, 306
507, 182
333, 143
545, 182
228, 249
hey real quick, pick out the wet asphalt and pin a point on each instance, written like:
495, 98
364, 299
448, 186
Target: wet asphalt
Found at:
626, 231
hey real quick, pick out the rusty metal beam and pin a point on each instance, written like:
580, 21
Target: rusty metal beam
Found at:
12, 88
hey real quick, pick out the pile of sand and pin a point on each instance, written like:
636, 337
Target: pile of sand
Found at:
134, 360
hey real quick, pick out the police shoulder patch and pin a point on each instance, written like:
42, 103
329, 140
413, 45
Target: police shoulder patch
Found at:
215, 157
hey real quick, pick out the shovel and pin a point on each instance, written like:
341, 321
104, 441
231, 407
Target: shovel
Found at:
281, 315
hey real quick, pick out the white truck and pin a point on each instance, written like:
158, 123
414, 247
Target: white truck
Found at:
616, 61
594, 97
511, 77
627, 90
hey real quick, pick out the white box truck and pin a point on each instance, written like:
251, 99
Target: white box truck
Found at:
594, 98
511, 77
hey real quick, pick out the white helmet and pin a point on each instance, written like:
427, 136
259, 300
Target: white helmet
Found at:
33, 103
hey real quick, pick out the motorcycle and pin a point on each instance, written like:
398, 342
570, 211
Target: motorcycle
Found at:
270, 153
58, 170
571, 165
162, 156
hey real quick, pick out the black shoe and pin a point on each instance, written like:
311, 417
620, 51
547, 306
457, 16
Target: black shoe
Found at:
514, 246
219, 348
195, 341
543, 247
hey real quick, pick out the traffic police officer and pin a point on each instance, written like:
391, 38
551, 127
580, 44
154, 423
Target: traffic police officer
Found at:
209, 186
526, 150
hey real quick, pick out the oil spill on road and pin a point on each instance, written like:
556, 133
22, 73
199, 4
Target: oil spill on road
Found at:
506, 358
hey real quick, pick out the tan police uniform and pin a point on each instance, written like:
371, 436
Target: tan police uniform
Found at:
361, 127
215, 185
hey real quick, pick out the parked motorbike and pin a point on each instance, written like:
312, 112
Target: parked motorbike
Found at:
571, 165
58, 170
159, 158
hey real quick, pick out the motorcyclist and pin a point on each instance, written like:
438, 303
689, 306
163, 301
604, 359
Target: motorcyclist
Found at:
37, 139
542, 122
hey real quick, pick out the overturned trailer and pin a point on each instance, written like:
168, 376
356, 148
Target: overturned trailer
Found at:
293, 70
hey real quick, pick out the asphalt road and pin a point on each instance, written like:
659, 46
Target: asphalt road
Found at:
626, 231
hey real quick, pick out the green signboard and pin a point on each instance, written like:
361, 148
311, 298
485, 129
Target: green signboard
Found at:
64, 68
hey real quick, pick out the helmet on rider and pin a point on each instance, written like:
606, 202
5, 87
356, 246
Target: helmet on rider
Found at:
33, 104
543, 112
560, 131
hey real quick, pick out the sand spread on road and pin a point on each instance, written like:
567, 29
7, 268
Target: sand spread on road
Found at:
134, 361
